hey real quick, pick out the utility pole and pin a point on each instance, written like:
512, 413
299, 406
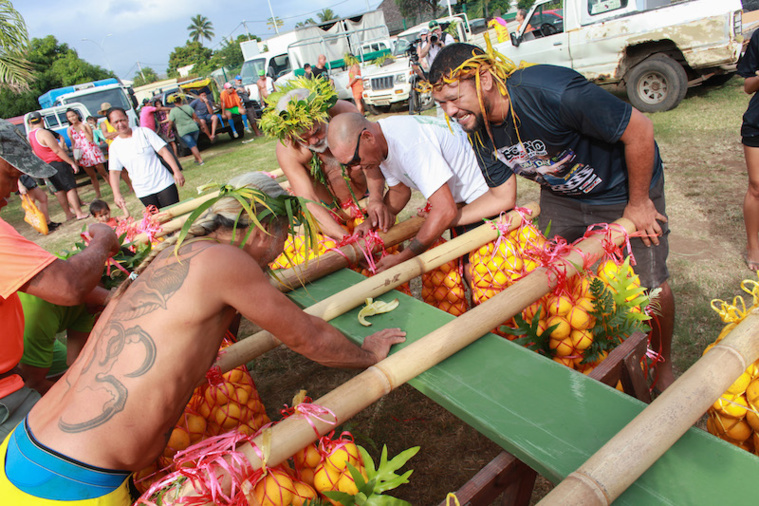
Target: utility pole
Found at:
140, 69
273, 18
245, 24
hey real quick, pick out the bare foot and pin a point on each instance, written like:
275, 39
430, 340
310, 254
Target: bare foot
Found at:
752, 259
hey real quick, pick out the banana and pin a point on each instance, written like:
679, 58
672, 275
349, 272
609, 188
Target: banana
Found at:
373, 308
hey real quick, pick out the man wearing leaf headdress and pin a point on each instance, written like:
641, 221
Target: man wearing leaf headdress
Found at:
113, 410
594, 156
298, 115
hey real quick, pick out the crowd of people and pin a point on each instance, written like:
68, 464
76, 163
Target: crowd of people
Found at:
540, 122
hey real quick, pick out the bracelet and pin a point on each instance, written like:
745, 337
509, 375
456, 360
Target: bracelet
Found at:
416, 246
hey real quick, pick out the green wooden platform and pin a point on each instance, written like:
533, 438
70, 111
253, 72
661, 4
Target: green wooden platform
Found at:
550, 417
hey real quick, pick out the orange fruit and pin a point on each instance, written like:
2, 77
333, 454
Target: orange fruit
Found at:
565, 361
307, 457
753, 420
562, 347
731, 405
346, 484
560, 305
340, 457
563, 328
579, 319
303, 493
307, 475
325, 477
228, 415
740, 385
233, 376
535, 308
179, 440
274, 489
752, 393
581, 339
586, 303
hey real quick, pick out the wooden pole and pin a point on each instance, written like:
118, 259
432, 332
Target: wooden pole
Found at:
173, 221
190, 205
247, 349
621, 461
293, 433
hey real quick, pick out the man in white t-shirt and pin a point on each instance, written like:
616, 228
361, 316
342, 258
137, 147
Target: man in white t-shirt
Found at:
417, 153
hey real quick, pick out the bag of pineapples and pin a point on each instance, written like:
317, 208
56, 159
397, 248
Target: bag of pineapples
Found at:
734, 417
228, 401
583, 319
443, 287
332, 470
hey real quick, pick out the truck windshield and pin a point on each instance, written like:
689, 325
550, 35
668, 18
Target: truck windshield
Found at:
250, 70
114, 96
403, 44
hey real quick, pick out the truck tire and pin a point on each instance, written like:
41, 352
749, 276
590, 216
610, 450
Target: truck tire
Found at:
657, 84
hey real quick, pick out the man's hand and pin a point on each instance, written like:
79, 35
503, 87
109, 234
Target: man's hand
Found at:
179, 178
75, 168
380, 342
389, 261
362, 229
101, 232
379, 215
646, 218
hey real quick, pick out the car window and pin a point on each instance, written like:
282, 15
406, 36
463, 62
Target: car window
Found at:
547, 20
602, 6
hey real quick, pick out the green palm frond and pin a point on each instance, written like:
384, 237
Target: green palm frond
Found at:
15, 70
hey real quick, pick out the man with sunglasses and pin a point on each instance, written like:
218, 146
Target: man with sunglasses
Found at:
417, 153
299, 118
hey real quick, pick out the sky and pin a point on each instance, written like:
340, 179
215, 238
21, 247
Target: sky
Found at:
122, 33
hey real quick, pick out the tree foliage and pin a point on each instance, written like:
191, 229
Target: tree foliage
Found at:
53, 65
192, 53
15, 70
326, 15
200, 28
307, 22
146, 76
274, 23
418, 8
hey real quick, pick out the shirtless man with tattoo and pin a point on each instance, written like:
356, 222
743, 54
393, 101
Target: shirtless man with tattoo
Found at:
298, 115
113, 411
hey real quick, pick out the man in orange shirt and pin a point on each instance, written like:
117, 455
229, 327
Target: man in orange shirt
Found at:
230, 104
28, 268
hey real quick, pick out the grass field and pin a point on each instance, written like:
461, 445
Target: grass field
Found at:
705, 184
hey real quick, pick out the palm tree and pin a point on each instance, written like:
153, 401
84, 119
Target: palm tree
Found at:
15, 70
307, 22
326, 15
274, 23
200, 28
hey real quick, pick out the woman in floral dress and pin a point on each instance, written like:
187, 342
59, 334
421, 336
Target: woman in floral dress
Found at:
87, 154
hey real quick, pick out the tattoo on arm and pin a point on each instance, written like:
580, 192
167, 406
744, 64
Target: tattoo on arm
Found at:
105, 386
416, 246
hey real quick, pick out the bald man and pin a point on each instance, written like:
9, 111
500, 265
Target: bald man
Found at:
417, 153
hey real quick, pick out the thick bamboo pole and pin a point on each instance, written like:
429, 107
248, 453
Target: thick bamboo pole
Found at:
191, 205
621, 461
293, 433
353, 296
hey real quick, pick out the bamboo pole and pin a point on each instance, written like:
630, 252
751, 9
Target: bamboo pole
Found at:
293, 433
190, 205
247, 349
621, 461
172, 223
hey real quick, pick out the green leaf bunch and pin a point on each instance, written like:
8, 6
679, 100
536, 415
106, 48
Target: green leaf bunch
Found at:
300, 115
380, 479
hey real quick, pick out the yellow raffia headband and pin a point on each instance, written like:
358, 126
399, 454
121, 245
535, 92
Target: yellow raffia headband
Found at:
500, 68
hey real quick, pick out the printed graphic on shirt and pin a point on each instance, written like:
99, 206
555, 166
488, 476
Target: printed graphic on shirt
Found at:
560, 172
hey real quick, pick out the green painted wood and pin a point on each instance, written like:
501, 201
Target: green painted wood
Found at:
547, 415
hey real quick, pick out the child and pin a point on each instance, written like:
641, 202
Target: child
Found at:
97, 135
102, 213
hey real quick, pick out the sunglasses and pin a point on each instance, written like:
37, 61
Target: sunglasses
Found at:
356, 160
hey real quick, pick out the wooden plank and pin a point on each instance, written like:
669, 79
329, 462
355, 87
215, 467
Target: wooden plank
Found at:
505, 474
547, 415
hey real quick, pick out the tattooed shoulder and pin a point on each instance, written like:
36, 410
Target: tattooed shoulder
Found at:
158, 283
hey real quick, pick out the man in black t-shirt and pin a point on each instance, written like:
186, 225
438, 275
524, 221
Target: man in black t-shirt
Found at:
593, 155
321, 69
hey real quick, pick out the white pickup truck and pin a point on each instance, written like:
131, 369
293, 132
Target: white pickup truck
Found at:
656, 48
391, 82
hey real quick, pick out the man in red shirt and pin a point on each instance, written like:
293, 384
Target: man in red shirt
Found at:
28, 268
